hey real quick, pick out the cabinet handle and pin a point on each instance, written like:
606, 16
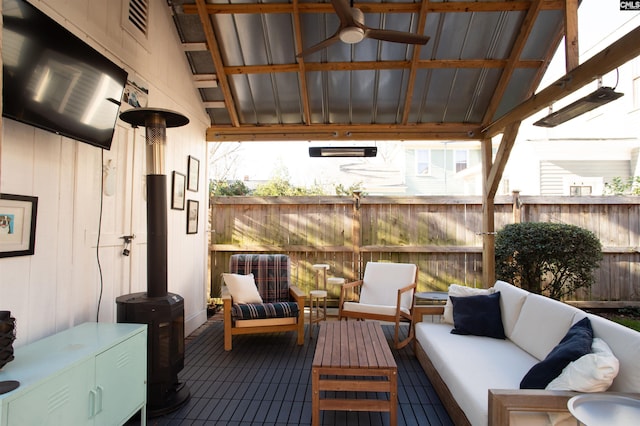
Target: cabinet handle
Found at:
99, 391
92, 403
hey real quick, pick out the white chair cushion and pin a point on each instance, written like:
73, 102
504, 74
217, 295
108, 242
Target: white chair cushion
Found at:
457, 290
372, 309
382, 281
242, 288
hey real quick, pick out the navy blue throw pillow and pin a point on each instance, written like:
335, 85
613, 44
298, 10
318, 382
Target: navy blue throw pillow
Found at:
576, 343
478, 315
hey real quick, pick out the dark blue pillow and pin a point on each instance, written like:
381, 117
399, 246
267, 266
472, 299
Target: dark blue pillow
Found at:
576, 343
478, 315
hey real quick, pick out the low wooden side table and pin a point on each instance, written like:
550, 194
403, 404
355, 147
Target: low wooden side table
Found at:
349, 354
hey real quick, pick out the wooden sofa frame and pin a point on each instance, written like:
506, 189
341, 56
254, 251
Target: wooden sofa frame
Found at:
502, 402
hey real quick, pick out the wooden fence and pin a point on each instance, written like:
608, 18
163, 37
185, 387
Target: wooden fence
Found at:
442, 235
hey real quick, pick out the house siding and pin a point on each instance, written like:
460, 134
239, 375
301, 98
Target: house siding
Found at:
68, 281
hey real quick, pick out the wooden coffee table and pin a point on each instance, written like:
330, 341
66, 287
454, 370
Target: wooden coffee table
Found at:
353, 356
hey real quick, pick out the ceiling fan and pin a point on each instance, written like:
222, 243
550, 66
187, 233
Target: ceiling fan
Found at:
352, 30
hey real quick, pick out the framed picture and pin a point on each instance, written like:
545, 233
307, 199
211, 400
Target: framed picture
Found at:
192, 216
177, 191
17, 225
194, 174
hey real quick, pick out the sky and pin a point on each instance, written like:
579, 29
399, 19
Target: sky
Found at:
601, 22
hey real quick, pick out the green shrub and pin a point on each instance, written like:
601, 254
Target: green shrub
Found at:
547, 258
228, 188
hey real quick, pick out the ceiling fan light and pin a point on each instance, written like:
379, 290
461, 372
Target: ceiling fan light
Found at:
352, 35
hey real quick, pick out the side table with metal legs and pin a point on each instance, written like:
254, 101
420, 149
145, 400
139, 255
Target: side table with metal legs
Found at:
318, 298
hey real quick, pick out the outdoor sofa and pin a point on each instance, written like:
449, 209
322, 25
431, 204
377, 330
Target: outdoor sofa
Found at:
478, 377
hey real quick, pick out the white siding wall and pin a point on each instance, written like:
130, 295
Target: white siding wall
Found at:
60, 285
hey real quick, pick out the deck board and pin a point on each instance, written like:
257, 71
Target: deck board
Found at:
266, 380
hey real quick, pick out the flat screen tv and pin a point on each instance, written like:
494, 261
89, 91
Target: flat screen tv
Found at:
55, 81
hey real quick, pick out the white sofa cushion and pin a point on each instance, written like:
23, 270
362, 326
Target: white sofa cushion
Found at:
458, 290
625, 345
382, 279
511, 301
542, 323
592, 372
470, 365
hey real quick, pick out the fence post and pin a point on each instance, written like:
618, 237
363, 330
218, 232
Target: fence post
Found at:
517, 206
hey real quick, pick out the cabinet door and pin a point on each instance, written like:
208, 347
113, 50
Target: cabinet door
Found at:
61, 400
121, 374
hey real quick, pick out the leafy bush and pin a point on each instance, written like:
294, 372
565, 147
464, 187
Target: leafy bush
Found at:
620, 186
547, 258
228, 188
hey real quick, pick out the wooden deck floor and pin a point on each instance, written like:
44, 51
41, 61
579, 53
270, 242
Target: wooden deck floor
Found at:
266, 380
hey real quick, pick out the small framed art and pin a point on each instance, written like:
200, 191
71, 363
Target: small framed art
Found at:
17, 225
194, 174
192, 216
177, 191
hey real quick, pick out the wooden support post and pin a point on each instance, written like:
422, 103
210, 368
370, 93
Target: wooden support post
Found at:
355, 236
488, 223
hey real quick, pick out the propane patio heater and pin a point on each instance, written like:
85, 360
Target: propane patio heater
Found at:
162, 311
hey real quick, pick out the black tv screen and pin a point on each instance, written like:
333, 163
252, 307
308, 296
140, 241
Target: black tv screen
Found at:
55, 81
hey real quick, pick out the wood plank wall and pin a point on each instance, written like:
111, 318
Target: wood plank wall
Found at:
442, 235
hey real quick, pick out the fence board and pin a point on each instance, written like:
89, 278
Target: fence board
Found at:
442, 235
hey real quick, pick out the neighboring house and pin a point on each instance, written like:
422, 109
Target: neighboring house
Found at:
442, 168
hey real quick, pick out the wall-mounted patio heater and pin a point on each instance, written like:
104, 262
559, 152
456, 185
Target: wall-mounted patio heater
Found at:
343, 151
162, 311
603, 95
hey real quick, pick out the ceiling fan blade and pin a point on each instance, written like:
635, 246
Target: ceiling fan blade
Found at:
325, 43
396, 36
344, 12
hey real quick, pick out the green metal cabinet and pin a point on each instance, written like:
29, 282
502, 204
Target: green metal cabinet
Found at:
92, 374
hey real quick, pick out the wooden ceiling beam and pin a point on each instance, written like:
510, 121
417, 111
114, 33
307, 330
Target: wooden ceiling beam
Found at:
344, 132
381, 65
572, 55
435, 7
212, 43
618, 53
518, 46
302, 73
422, 19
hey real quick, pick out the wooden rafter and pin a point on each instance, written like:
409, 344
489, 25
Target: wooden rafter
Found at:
302, 72
572, 56
379, 65
510, 66
620, 52
435, 7
335, 132
422, 20
212, 44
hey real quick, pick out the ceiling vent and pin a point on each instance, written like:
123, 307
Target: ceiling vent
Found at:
135, 19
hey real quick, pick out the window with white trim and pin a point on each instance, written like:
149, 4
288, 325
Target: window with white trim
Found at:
461, 159
423, 162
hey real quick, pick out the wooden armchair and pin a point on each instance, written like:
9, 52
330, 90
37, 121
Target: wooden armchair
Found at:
282, 307
386, 294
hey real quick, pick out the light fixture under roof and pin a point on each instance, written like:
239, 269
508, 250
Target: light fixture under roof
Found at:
343, 151
601, 96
